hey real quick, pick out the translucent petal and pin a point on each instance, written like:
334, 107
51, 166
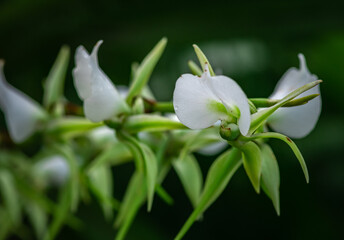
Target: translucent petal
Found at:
101, 99
22, 114
296, 122
232, 95
53, 170
191, 99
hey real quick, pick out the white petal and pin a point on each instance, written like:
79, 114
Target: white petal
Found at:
22, 114
232, 95
191, 99
296, 122
101, 99
53, 169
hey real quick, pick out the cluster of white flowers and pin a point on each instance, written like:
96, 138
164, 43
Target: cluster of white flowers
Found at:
199, 102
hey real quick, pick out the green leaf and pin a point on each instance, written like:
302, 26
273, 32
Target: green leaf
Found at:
270, 181
190, 175
218, 177
133, 199
163, 194
116, 154
4, 223
143, 73
74, 174
151, 169
195, 70
203, 59
38, 218
288, 141
69, 127
10, 196
101, 182
259, 118
150, 123
54, 84
145, 157
61, 212
252, 163
266, 102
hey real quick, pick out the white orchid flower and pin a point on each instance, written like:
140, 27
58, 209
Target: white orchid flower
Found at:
199, 102
22, 114
53, 170
101, 99
296, 122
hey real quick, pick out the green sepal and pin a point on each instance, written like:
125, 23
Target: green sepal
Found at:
150, 123
252, 163
270, 181
203, 60
144, 71
217, 179
190, 175
54, 84
195, 70
261, 116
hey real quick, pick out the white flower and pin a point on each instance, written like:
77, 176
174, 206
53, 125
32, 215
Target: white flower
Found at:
199, 102
53, 170
296, 122
22, 114
101, 99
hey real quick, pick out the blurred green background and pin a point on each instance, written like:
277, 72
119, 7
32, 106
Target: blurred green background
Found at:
254, 42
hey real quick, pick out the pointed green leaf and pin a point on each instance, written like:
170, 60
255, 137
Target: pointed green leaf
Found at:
54, 84
195, 70
252, 163
203, 59
146, 160
4, 223
73, 181
270, 181
148, 122
218, 177
151, 169
38, 218
288, 141
101, 183
143, 73
10, 196
190, 175
163, 194
259, 118
266, 102
61, 212
69, 127
116, 154
134, 197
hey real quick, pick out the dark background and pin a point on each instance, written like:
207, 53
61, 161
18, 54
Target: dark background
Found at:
254, 42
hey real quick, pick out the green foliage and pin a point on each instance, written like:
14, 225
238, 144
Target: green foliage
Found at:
217, 179
54, 84
270, 181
